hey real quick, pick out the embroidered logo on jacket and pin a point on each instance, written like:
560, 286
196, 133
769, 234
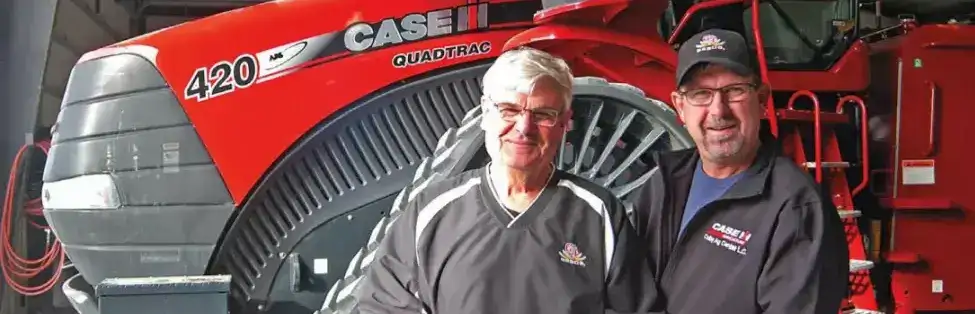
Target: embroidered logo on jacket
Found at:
570, 254
729, 238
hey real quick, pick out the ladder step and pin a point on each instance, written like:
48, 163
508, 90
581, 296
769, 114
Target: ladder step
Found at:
919, 203
899, 257
828, 164
858, 265
862, 311
849, 213
809, 116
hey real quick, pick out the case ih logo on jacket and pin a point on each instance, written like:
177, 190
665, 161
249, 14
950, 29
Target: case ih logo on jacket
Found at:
729, 238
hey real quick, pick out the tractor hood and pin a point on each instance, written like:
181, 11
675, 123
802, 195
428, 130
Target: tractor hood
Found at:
271, 30
274, 70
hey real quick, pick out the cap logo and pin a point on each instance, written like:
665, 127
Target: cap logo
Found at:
710, 42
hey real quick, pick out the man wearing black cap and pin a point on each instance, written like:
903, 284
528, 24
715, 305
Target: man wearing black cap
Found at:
734, 227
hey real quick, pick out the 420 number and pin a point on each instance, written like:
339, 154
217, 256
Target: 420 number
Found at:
221, 78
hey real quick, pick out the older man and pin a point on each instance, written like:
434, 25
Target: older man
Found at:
737, 227
517, 236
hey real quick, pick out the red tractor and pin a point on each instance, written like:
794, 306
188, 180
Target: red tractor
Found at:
276, 143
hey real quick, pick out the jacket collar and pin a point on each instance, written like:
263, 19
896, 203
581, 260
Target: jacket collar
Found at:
753, 182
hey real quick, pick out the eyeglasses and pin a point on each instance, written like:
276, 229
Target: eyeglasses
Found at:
704, 96
510, 113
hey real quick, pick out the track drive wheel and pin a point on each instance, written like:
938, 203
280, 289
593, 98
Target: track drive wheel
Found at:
613, 127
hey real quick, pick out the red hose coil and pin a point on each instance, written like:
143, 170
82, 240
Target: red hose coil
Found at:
18, 269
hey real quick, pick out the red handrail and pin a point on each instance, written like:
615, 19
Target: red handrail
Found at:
932, 140
817, 133
864, 136
759, 44
773, 121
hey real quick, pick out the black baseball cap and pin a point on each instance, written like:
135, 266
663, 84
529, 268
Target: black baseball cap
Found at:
718, 46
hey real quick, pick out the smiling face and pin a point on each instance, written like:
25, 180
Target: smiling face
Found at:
722, 111
523, 130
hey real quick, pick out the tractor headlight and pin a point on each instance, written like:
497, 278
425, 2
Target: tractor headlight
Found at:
85, 192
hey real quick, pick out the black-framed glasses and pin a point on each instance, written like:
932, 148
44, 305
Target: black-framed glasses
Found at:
704, 96
510, 113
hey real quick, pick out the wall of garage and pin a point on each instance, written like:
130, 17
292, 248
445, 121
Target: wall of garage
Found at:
24, 41
40, 41
157, 22
22, 52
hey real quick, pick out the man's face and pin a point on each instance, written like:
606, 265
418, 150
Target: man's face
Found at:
523, 131
721, 122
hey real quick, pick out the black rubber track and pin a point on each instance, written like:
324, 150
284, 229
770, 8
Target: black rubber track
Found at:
614, 124
312, 212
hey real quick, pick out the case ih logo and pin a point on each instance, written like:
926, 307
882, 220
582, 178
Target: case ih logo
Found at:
416, 26
710, 42
728, 237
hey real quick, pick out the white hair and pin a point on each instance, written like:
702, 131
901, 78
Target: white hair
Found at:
516, 71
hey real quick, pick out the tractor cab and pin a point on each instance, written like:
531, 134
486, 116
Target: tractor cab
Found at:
803, 35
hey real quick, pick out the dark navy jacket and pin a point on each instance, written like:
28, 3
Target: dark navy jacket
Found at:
770, 244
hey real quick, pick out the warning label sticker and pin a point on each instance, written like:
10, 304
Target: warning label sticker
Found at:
918, 171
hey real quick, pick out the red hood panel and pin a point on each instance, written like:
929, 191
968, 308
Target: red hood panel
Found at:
254, 80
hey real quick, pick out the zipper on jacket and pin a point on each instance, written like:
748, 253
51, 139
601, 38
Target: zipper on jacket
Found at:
676, 248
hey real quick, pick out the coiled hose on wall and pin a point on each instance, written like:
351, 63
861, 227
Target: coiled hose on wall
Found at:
19, 271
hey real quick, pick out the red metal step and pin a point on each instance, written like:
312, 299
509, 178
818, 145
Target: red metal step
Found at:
902, 258
913, 203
